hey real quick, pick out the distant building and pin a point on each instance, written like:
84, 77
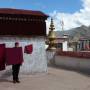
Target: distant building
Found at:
78, 39
61, 43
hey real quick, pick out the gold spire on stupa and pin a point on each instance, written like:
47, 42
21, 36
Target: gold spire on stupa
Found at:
52, 25
51, 30
51, 37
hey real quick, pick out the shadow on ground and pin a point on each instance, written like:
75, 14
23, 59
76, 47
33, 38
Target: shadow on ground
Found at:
5, 80
4, 76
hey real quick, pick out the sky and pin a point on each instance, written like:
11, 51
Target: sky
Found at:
46, 6
73, 13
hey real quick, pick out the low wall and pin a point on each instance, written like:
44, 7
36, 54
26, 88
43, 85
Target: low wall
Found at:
50, 56
72, 62
82, 54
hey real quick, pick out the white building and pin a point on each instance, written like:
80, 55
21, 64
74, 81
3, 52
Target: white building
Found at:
62, 43
26, 27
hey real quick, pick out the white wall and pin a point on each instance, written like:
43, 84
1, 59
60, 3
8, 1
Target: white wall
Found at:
72, 62
65, 46
50, 56
70, 49
35, 62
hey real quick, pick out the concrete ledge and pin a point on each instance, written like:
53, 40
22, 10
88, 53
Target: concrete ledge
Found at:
72, 62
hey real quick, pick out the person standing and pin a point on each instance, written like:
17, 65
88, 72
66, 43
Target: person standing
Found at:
16, 69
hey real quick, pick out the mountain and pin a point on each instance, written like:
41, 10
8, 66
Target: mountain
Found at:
79, 32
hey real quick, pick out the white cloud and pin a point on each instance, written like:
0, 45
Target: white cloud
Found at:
86, 4
81, 17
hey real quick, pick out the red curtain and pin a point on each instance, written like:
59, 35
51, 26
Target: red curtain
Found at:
28, 49
14, 56
2, 57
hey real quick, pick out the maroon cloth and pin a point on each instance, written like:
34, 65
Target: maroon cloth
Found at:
28, 49
21, 12
2, 57
14, 56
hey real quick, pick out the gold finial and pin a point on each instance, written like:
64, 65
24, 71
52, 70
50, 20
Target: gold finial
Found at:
51, 25
51, 37
51, 32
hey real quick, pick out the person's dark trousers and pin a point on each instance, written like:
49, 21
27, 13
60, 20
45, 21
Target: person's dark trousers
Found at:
15, 71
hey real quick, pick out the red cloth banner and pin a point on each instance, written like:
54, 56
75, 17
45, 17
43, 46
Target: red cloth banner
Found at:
14, 56
28, 49
2, 57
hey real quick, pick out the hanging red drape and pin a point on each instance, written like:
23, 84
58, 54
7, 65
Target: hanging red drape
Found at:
2, 57
28, 49
14, 56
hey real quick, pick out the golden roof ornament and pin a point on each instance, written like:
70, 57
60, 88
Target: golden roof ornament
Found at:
51, 30
52, 25
51, 37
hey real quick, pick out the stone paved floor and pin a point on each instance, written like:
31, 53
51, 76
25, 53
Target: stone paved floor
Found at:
55, 79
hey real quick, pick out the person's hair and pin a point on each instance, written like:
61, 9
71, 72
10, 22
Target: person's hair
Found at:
16, 43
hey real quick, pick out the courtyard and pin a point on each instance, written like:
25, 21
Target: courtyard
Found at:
55, 79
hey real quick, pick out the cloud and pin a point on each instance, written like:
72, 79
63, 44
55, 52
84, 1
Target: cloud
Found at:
81, 17
86, 4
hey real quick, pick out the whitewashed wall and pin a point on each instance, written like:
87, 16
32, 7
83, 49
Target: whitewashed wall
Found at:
72, 62
35, 62
50, 56
65, 46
